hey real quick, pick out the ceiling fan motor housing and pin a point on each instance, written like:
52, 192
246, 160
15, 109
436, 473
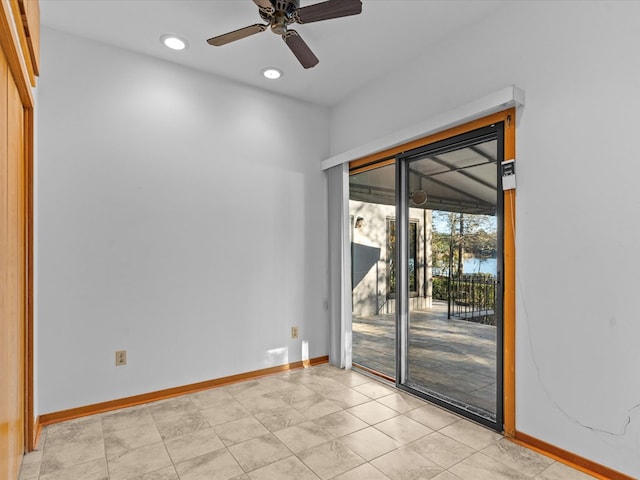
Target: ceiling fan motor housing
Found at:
283, 15
287, 6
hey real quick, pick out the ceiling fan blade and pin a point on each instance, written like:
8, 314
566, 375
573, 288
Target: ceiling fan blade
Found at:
266, 6
237, 34
328, 10
300, 49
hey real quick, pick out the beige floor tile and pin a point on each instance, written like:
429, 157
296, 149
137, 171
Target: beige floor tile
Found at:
211, 398
432, 416
27, 476
363, 472
94, 470
277, 383
303, 436
135, 417
470, 434
126, 439
301, 377
522, 459
316, 408
259, 452
405, 464
193, 445
558, 471
346, 398
244, 476
178, 424
369, 443
330, 459
352, 379
240, 430
340, 423
290, 468
135, 463
225, 412
261, 403
218, 465
247, 389
323, 385
401, 403
441, 449
297, 394
326, 370
403, 429
31, 465
374, 389
481, 467
69, 454
171, 406
281, 418
372, 412
166, 473
446, 476
87, 429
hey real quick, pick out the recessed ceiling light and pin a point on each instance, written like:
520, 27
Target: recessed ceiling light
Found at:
174, 42
271, 73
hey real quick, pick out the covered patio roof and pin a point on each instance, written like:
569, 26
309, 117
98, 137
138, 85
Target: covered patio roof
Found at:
463, 180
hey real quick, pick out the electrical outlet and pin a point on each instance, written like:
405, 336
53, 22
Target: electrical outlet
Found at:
294, 332
121, 358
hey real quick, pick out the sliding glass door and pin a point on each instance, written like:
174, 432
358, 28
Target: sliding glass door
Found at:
451, 350
426, 249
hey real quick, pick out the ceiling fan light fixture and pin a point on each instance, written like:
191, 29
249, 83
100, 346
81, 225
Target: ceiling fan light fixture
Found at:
174, 42
271, 73
419, 197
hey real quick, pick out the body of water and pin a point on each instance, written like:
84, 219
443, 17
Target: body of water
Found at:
475, 265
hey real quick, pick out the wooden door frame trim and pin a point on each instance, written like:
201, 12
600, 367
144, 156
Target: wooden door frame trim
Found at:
10, 43
507, 116
30, 426
12, 47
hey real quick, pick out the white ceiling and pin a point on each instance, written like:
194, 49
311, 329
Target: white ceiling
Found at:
352, 50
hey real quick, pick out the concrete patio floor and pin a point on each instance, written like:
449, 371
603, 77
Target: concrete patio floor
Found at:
452, 357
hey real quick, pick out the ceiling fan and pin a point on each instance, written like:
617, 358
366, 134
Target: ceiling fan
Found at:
279, 14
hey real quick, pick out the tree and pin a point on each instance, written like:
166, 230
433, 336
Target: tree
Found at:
457, 234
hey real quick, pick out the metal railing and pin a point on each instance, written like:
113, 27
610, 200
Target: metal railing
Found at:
470, 297
473, 297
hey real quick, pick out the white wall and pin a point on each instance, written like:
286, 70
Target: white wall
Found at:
182, 218
577, 202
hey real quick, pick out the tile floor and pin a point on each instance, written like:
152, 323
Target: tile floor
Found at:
315, 423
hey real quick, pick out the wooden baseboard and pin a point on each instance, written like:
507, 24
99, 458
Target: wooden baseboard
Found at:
70, 414
571, 459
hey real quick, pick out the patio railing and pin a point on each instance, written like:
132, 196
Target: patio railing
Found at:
473, 298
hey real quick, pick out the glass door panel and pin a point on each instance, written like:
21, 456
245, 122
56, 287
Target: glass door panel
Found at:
453, 336
372, 211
